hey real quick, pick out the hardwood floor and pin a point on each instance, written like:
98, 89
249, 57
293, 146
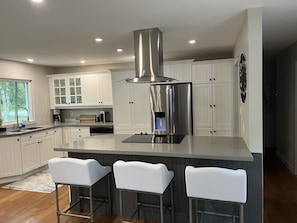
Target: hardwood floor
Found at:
31, 207
280, 192
280, 201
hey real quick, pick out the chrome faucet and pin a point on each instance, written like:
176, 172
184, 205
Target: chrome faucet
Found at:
17, 115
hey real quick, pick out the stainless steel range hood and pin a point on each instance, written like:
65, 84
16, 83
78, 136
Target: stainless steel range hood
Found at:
148, 49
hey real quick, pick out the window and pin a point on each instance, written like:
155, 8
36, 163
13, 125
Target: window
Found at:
14, 98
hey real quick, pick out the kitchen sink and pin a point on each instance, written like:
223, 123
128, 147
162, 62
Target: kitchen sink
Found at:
32, 128
17, 130
25, 129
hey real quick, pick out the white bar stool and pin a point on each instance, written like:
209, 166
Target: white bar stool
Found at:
141, 177
217, 184
80, 173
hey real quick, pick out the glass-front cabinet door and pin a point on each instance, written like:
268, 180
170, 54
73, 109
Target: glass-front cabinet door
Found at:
60, 91
67, 91
75, 90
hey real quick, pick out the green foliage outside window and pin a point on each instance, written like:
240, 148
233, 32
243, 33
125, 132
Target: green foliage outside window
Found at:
14, 100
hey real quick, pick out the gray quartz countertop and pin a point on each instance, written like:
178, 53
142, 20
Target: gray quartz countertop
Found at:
32, 128
217, 148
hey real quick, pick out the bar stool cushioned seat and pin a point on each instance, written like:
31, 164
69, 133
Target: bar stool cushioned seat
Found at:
80, 173
218, 184
143, 177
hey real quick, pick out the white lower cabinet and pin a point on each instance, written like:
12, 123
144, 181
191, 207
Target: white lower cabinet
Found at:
58, 140
10, 159
73, 133
37, 149
79, 132
46, 148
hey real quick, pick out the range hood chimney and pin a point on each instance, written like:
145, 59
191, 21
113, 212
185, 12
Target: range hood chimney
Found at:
148, 49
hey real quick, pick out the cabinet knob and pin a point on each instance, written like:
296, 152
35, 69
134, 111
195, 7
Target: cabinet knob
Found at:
209, 79
214, 105
210, 106
214, 79
214, 131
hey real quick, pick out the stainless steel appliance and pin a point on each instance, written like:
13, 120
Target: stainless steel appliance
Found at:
148, 51
171, 113
104, 116
56, 116
171, 108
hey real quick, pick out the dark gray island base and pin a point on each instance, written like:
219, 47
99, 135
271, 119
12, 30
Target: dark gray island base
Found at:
227, 152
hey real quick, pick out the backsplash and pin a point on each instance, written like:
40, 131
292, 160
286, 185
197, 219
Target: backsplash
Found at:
72, 114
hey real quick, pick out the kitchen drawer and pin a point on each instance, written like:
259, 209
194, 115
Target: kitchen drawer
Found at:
80, 130
36, 135
77, 135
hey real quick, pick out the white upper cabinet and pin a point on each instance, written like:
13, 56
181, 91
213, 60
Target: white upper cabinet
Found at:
213, 98
97, 90
213, 71
78, 90
179, 70
131, 110
65, 91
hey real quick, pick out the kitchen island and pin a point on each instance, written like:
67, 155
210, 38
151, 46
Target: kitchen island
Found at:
229, 152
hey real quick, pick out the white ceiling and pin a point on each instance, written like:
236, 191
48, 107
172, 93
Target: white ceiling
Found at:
62, 32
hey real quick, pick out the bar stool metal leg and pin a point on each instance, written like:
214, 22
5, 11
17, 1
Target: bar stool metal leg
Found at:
91, 205
190, 211
161, 208
109, 194
172, 203
57, 202
241, 217
121, 206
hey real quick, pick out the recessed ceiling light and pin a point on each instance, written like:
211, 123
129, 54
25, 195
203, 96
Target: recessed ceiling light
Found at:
37, 1
133, 57
82, 61
192, 41
119, 50
30, 60
98, 40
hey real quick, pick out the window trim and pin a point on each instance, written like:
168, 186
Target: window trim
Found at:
30, 98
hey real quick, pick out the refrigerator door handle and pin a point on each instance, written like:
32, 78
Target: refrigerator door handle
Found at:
171, 129
168, 122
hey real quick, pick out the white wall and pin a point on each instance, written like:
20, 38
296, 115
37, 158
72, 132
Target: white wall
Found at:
249, 42
40, 91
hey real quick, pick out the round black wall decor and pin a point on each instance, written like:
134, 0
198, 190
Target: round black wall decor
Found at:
242, 77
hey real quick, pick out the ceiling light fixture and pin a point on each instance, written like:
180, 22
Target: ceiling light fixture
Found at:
37, 1
98, 40
192, 41
82, 61
30, 60
119, 50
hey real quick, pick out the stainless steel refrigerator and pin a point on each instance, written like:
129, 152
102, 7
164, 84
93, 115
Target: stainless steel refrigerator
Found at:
171, 108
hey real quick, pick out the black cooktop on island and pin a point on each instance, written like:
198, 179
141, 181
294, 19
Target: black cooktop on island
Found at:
151, 138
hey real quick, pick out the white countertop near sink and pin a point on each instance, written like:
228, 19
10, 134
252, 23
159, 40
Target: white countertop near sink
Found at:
202, 147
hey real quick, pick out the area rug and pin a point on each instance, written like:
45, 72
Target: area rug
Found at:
38, 182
